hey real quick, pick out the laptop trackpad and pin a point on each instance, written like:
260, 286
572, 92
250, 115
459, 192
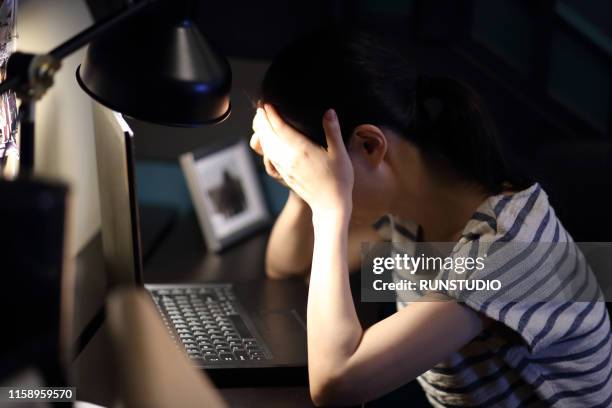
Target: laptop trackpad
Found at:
282, 321
284, 331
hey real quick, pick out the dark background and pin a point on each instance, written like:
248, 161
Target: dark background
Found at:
552, 55
543, 67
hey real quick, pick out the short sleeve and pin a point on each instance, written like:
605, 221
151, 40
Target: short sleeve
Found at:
526, 296
392, 228
384, 228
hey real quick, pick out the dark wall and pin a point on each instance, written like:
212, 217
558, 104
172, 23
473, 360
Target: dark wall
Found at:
247, 29
543, 67
554, 56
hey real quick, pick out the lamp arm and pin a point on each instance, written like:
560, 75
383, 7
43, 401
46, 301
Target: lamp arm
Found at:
31, 75
91, 33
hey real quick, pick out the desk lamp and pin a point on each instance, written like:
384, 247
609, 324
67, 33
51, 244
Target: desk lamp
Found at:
147, 61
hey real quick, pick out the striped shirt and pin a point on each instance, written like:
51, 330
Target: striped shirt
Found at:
549, 343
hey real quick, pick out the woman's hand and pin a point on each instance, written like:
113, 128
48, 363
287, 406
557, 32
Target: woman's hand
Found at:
256, 146
323, 178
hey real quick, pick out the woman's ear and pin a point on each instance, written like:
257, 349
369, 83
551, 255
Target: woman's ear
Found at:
370, 143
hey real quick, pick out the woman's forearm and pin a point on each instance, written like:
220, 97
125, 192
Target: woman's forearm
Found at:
347, 365
334, 330
289, 251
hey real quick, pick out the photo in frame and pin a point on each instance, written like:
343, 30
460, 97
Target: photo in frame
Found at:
226, 193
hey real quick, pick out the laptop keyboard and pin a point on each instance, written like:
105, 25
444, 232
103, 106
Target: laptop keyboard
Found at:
207, 322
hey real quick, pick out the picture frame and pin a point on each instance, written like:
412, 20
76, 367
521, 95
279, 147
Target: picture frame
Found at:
226, 193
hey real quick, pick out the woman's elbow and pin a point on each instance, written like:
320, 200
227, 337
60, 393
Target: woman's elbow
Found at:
323, 394
275, 272
332, 390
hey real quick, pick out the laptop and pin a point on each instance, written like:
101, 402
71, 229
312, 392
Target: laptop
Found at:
224, 328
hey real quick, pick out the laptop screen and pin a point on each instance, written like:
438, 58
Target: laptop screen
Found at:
118, 203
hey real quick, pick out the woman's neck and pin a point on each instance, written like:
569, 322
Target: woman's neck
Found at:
442, 211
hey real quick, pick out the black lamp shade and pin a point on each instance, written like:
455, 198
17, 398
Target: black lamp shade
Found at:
158, 69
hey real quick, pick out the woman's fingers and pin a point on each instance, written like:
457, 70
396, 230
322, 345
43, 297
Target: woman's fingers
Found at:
272, 172
270, 169
283, 130
258, 119
259, 125
277, 123
255, 144
333, 134
278, 151
267, 139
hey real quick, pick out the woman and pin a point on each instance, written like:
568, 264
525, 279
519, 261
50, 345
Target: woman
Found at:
356, 135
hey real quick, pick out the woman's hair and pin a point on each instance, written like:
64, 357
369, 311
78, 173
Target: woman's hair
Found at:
368, 80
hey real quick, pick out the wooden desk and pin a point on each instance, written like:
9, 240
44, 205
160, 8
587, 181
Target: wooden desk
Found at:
181, 257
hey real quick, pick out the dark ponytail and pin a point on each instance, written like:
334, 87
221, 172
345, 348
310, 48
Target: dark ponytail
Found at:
367, 80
